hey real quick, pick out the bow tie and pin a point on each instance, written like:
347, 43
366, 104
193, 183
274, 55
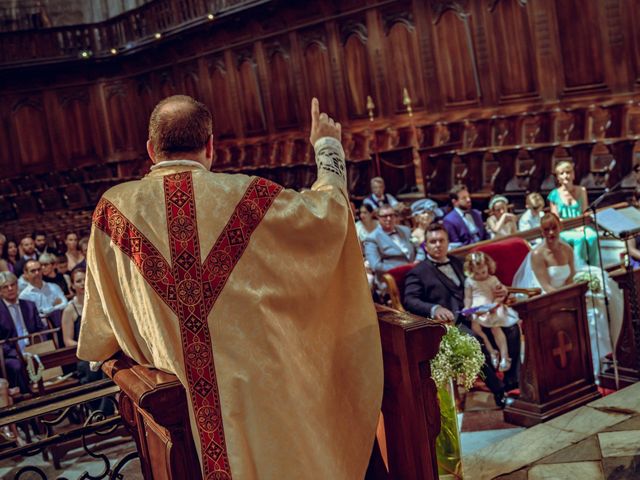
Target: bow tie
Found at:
440, 264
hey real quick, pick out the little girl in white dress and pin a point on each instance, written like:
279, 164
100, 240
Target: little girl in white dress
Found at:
478, 295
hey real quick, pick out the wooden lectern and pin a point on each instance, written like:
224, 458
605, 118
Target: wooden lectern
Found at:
153, 405
556, 375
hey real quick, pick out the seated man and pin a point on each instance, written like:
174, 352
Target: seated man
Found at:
464, 224
48, 297
17, 318
389, 246
378, 198
435, 289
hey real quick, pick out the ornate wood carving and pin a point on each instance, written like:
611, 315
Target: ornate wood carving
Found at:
439, 7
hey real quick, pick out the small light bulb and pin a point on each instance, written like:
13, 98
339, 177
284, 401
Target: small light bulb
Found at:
113, 51
84, 54
211, 16
158, 35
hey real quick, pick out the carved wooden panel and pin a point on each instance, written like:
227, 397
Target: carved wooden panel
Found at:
317, 69
403, 61
580, 45
281, 85
454, 60
8, 162
145, 102
76, 115
251, 98
514, 63
357, 69
191, 84
222, 108
166, 84
27, 117
121, 119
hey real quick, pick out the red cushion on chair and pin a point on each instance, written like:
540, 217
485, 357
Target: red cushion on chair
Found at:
508, 253
398, 274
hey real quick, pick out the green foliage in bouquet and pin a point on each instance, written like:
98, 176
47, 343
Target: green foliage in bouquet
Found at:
459, 359
593, 277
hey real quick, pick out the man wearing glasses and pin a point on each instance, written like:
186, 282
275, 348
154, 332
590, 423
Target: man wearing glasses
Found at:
48, 297
389, 246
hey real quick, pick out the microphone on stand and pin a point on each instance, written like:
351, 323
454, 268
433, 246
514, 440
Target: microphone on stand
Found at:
604, 195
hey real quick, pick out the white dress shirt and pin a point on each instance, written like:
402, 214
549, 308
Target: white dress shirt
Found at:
45, 297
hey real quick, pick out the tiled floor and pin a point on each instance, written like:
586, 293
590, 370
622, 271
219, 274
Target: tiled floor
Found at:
598, 441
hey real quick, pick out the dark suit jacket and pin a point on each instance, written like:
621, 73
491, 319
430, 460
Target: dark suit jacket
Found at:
425, 286
458, 230
7, 327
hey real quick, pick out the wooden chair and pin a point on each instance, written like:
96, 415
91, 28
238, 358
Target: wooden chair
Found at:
394, 280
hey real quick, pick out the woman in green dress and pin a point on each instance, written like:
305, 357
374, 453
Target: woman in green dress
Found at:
570, 201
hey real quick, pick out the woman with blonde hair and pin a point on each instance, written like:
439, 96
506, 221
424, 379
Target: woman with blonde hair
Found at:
570, 201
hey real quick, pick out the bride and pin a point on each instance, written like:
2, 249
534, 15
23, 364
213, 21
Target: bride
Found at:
550, 266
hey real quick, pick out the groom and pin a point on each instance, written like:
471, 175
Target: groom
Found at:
435, 288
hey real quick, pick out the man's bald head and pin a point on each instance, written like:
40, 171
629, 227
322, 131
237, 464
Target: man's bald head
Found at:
179, 125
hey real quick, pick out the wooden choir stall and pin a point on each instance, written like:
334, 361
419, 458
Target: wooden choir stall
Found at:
153, 406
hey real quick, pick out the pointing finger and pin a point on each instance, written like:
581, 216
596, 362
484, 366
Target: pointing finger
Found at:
315, 111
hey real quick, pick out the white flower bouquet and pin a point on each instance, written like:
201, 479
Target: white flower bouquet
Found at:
460, 359
593, 277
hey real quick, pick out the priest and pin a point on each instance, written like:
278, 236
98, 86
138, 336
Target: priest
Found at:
253, 295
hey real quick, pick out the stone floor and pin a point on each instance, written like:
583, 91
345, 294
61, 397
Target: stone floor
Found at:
598, 441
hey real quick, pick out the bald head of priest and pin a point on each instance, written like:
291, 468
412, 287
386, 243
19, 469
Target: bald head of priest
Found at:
181, 128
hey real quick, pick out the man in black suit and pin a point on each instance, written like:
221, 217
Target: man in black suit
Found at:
17, 318
28, 249
435, 288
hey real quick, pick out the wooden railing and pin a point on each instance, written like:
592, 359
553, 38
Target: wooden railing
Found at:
121, 33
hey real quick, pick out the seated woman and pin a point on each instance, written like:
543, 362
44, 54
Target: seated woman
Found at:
367, 222
570, 201
550, 266
501, 223
71, 319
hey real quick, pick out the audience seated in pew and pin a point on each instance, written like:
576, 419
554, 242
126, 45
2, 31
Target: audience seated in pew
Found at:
41, 243
423, 213
18, 317
49, 273
48, 297
534, 212
551, 265
435, 289
71, 321
388, 246
9, 254
367, 221
463, 223
73, 253
378, 198
569, 201
501, 222
27, 250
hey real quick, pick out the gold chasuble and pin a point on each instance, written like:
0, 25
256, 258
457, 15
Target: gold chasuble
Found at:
256, 298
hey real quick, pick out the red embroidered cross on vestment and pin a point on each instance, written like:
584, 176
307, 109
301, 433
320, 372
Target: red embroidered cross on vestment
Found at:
190, 288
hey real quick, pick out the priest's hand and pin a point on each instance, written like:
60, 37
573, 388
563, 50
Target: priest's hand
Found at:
322, 125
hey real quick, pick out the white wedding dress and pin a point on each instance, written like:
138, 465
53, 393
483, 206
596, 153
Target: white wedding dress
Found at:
600, 331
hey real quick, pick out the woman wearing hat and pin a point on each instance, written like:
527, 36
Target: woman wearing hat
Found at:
501, 223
